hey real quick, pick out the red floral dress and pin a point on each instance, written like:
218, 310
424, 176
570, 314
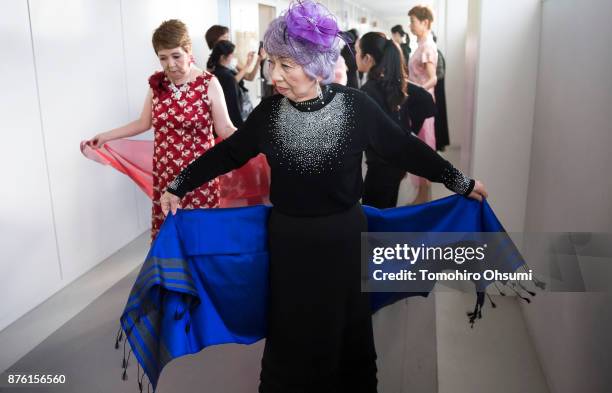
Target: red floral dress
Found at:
183, 131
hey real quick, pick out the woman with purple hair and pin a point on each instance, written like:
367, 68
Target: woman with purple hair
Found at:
313, 133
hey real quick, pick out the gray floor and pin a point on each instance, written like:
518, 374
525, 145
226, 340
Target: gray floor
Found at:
494, 357
83, 350
424, 345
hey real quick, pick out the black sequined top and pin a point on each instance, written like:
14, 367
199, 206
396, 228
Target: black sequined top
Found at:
315, 150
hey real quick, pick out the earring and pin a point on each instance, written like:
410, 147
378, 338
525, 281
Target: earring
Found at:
320, 93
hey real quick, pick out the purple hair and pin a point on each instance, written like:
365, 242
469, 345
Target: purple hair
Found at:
318, 60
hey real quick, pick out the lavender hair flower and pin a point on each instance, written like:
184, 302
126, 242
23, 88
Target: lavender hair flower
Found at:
307, 33
312, 22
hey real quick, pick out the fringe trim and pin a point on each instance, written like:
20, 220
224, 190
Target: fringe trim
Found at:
517, 287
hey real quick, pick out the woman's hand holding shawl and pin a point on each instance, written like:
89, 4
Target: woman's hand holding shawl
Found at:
169, 203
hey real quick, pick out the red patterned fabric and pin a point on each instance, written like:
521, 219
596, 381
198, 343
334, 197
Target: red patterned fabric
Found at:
246, 186
183, 131
130, 157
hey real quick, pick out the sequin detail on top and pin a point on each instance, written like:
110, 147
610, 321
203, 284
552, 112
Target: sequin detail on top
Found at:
309, 143
456, 181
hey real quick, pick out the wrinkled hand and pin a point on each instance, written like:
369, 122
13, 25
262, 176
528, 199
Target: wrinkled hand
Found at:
479, 192
97, 141
169, 203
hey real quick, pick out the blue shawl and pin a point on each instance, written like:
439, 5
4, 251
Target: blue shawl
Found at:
204, 280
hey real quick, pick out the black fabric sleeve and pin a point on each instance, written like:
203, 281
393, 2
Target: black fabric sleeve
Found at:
408, 152
229, 154
230, 91
372, 90
419, 106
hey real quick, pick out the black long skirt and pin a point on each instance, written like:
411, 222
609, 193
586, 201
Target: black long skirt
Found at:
319, 337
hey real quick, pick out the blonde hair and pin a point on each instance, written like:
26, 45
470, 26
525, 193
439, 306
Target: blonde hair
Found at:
171, 34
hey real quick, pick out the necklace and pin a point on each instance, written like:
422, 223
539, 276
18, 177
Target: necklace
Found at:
177, 92
319, 100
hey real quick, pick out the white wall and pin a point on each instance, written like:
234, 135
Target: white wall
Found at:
570, 187
69, 75
82, 91
29, 262
452, 44
503, 44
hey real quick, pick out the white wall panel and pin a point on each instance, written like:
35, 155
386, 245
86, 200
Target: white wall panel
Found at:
29, 262
570, 187
454, 52
508, 53
82, 90
91, 60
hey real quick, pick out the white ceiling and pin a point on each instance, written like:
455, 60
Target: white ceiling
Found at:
389, 9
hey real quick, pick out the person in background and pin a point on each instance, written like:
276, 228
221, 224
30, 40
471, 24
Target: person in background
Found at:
399, 36
182, 104
441, 120
422, 71
221, 62
218, 33
348, 53
387, 84
267, 88
340, 71
407, 104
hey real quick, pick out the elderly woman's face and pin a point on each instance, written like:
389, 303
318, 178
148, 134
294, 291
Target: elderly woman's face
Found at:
175, 62
291, 80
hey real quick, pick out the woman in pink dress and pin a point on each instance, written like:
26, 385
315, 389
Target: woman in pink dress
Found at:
422, 71
182, 104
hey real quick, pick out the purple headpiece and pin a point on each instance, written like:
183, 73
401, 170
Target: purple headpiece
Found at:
308, 33
312, 22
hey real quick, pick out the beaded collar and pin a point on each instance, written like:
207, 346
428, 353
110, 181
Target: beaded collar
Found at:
327, 93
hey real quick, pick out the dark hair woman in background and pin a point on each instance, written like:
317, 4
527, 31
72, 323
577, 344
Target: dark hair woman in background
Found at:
388, 85
218, 33
403, 40
219, 62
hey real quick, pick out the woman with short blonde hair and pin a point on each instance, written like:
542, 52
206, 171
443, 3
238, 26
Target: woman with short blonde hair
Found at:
182, 104
422, 71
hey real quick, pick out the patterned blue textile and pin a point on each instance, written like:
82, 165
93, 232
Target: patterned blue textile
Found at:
204, 281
